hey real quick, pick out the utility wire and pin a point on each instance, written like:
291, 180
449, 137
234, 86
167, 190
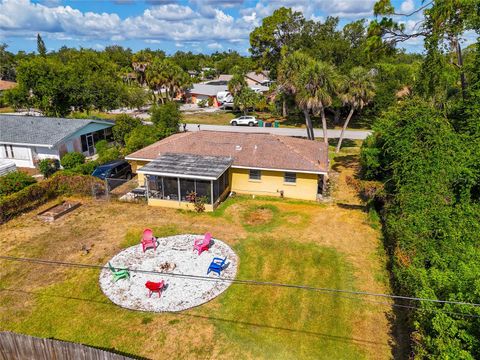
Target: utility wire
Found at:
239, 281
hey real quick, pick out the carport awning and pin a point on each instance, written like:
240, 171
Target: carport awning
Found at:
187, 166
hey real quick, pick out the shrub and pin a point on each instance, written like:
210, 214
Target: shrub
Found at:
36, 194
85, 169
71, 160
48, 167
124, 125
197, 201
202, 103
140, 137
106, 152
210, 101
14, 181
167, 117
101, 146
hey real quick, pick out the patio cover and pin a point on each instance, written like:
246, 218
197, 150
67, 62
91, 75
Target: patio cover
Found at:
188, 166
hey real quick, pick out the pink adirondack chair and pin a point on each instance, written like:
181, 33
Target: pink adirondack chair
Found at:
202, 245
154, 287
148, 240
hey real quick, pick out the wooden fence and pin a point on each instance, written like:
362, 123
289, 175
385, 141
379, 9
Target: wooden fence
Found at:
22, 347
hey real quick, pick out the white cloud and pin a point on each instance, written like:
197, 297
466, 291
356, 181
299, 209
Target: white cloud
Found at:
407, 6
215, 46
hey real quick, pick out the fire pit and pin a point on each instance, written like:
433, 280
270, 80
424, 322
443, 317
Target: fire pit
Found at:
173, 259
167, 267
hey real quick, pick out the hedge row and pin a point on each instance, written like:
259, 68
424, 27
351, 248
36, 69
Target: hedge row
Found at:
39, 193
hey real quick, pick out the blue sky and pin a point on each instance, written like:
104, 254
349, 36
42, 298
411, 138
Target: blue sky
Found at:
189, 25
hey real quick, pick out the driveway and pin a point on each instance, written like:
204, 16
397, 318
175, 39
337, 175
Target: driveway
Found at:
332, 133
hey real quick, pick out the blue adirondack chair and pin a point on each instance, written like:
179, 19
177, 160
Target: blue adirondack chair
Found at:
217, 265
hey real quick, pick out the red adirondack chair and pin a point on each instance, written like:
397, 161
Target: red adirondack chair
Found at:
148, 240
202, 245
154, 287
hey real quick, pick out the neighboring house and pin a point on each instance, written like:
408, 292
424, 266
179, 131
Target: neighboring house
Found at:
6, 85
212, 90
201, 92
214, 163
25, 139
254, 79
7, 166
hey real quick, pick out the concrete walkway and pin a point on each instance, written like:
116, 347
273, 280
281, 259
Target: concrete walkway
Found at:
299, 132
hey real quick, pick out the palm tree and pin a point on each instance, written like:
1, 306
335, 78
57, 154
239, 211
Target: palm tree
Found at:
237, 83
316, 87
358, 90
287, 73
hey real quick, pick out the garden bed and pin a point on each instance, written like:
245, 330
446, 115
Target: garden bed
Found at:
54, 212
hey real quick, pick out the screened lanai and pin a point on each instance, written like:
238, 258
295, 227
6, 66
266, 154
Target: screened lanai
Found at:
172, 176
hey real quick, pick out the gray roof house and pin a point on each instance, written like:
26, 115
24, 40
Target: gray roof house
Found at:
26, 139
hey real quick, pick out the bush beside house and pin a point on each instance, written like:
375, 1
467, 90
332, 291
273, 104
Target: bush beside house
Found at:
14, 181
37, 194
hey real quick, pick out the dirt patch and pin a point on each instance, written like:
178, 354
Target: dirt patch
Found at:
259, 216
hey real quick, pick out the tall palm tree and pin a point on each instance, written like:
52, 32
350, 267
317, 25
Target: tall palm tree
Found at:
287, 73
317, 84
237, 83
357, 90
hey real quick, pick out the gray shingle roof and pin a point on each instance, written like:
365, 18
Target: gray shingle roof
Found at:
206, 89
188, 166
39, 130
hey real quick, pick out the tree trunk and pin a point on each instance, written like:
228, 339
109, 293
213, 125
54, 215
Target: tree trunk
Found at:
343, 129
284, 107
463, 81
308, 123
324, 126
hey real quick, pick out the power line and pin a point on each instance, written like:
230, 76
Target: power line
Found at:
244, 282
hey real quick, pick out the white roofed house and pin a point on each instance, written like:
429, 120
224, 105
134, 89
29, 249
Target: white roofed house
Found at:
25, 140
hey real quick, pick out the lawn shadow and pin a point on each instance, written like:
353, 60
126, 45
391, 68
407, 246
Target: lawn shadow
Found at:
237, 322
352, 206
346, 161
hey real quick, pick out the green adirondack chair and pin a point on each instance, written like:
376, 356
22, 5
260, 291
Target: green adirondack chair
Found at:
119, 273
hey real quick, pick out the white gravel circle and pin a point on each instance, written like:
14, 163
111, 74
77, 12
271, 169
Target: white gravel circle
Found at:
180, 293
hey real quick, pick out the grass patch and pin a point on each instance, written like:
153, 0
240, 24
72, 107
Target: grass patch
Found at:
278, 323
296, 242
215, 118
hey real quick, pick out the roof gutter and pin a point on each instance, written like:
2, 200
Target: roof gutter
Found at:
284, 170
50, 146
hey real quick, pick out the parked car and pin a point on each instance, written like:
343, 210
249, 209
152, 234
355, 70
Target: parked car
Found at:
117, 169
244, 120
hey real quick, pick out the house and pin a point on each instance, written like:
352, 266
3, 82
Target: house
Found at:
254, 79
214, 163
25, 139
6, 85
200, 92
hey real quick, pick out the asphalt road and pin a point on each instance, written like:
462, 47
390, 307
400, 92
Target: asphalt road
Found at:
349, 134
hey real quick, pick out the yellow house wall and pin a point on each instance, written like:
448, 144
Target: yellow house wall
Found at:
136, 164
176, 205
271, 184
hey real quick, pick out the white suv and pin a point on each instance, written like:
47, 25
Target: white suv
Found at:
244, 120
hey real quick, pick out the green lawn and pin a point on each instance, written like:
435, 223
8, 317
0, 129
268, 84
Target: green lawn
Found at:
274, 244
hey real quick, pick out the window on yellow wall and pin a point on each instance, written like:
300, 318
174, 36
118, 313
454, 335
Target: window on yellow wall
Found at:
254, 175
290, 178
